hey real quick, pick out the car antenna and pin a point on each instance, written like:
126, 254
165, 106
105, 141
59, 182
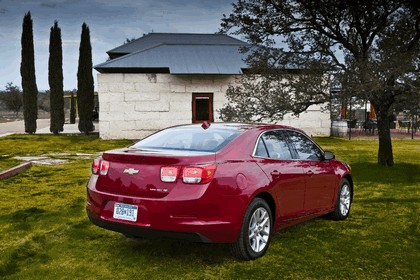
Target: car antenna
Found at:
205, 124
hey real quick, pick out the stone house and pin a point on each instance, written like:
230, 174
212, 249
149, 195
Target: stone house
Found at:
166, 79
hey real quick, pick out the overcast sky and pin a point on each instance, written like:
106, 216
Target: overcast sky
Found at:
110, 23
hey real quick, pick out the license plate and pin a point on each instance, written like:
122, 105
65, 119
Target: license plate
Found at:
126, 212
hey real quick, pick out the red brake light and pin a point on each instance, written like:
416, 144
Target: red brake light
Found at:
96, 165
104, 167
169, 174
198, 174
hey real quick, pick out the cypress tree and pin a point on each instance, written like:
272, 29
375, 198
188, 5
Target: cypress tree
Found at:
85, 88
27, 71
55, 79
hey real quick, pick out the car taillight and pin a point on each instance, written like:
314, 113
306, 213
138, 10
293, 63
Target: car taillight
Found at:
96, 165
169, 174
104, 167
100, 166
198, 174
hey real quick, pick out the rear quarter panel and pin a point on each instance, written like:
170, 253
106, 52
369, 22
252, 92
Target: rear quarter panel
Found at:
238, 175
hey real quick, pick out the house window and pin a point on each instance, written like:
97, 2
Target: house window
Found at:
202, 107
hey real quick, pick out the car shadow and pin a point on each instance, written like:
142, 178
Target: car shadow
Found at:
161, 249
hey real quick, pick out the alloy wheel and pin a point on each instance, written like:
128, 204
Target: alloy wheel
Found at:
345, 198
259, 229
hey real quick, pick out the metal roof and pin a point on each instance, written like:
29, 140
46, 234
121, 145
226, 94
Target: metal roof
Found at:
181, 59
177, 53
154, 39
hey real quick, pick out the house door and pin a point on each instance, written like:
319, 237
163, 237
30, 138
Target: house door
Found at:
202, 107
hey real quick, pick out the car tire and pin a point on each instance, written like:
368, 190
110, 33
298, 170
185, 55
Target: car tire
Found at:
343, 201
255, 234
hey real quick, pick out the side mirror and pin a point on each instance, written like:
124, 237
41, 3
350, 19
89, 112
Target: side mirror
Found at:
329, 155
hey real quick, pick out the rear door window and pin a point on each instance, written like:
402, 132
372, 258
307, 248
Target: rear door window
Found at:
272, 144
261, 150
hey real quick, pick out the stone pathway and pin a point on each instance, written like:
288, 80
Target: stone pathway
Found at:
43, 127
18, 127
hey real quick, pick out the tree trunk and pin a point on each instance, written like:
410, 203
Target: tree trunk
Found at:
72, 109
385, 155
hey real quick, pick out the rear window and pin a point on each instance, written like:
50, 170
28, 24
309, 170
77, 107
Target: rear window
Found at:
189, 139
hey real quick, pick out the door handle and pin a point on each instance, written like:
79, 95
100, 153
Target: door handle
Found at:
309, 173
275, 173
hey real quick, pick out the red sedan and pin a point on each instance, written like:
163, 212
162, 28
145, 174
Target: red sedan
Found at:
228, 183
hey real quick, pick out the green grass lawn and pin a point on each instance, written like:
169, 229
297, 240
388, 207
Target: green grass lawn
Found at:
45, 234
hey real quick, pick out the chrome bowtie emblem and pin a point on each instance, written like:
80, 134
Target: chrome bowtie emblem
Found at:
131, 171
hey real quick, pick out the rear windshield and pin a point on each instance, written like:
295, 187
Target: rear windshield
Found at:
189, 139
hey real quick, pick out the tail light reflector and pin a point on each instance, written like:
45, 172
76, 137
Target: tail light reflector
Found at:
198, 174
169, 174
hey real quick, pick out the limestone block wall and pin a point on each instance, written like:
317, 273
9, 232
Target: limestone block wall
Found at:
314, 121
132, 106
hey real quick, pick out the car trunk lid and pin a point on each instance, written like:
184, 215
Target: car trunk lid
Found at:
135, 172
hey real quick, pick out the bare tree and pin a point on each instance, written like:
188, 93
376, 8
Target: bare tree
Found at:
12, 98
372, 46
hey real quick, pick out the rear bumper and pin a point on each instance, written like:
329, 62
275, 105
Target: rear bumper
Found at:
209, 218
136, 231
